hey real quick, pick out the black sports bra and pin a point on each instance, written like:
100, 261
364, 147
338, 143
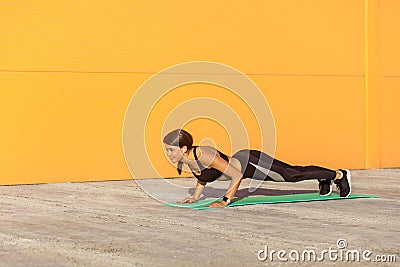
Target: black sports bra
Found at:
208, 174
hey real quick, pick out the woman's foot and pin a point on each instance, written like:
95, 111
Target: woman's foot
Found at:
344, 183
325, 187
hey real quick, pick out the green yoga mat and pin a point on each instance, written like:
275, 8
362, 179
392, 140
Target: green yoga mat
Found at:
251, 200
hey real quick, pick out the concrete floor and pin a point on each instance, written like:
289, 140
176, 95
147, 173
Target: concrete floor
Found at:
115, 223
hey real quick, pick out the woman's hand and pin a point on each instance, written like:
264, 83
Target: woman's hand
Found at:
217, 204
189, 200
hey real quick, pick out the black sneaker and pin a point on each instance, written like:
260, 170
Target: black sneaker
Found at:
325, 187
343, 184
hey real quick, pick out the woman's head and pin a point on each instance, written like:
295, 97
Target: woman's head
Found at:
177, 143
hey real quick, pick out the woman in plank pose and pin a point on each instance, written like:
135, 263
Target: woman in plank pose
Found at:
208, 164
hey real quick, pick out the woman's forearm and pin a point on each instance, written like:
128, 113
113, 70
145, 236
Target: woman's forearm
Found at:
233, 186
198, 191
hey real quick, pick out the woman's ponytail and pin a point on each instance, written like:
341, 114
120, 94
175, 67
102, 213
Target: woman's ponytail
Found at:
179, 167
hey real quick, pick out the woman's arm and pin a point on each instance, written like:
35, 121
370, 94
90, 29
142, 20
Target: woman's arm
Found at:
196, 195
229, 170
209, 157
199, 189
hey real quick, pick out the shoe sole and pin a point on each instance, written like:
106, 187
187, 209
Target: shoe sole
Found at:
330, 191
348, 175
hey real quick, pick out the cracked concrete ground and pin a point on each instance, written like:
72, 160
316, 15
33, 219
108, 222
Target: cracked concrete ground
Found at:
115, 223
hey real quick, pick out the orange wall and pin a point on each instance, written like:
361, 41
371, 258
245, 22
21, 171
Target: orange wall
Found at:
389, 82
68, 72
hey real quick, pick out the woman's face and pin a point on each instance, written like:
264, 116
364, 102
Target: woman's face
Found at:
174, 153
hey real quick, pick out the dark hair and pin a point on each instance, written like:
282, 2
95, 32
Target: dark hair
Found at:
179, 137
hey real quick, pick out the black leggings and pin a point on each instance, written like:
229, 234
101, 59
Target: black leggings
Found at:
260, 166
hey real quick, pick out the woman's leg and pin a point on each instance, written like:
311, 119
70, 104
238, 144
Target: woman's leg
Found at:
261, 166
300, 173
258, 165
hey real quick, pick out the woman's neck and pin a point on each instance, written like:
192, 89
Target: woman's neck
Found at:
188, 157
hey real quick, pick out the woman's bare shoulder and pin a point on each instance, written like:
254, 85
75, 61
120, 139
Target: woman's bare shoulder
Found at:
206, 150
207, 154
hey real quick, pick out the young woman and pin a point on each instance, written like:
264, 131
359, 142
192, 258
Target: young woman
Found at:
208, 164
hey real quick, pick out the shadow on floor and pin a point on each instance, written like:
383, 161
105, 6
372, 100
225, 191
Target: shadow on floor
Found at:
211, 192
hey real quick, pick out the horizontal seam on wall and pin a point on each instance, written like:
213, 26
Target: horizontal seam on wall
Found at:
184, 73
